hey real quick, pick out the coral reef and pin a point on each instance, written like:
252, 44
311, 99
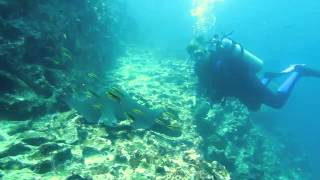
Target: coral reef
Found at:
246, 149
60, 146
54, 146
44, 46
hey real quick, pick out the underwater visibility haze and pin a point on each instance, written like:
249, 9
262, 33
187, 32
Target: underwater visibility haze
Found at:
142, 89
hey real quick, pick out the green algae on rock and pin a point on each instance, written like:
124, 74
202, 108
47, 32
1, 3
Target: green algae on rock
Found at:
43, 47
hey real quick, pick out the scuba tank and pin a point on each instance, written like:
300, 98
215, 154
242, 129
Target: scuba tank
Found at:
237, 51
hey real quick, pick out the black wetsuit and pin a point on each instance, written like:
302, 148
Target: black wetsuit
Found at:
220, 76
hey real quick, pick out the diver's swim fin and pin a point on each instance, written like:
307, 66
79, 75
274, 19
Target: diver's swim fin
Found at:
308, 72
303, 70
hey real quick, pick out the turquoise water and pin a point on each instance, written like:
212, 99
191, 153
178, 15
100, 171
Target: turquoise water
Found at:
96, 89
284, 32
279, 32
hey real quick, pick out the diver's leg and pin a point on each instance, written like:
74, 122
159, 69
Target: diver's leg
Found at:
301, 68
299, 71
268, 77
258, 93
286, 88
289, 84
278, 99
252, 93
272, 99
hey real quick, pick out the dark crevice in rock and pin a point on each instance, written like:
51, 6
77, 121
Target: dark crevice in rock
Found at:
43, 167
61, 157
15, 150
35, 141
9, 163
46, 149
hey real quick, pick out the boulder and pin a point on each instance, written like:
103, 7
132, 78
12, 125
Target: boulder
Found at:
43, 167
15, 150
46, 149
62, 156
9, 163
90, 151
35, 141
34, 138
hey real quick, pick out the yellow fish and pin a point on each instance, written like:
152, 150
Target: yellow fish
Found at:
116, 90
137, 111
92, 75
130, 116
113, 96
66, 53
97, 106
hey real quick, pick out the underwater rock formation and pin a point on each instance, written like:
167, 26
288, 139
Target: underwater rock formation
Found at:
246, 150
102, 155
61, 146
43, 46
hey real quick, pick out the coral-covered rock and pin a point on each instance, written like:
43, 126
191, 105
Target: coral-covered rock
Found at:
14, 150
43, 47
90, 151
18, 101
78, 177
43, 167
10, 163
35, 141
45, 149
33, 75
61, 157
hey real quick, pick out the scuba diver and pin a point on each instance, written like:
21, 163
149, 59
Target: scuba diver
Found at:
225, 69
